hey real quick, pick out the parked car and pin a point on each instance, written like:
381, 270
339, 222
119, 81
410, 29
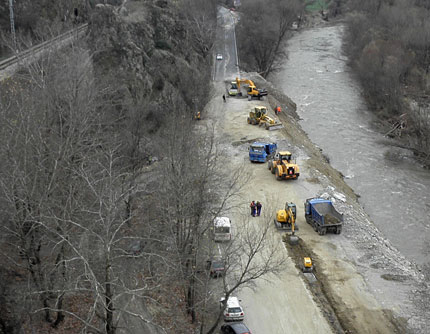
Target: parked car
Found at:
232, 311
219, 56
136, 247
222, 229
235, 328
215, 267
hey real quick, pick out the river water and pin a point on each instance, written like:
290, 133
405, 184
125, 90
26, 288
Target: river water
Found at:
394, 190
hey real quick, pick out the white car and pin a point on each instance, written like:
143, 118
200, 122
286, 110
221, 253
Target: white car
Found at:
232, 311
219, 56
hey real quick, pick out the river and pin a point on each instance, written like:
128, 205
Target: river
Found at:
393, 189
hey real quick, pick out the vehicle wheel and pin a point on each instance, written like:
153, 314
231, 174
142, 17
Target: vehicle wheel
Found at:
278, 177
269, 165
273, 169
249, 120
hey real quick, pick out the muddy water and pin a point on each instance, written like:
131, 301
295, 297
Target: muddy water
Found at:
394, 190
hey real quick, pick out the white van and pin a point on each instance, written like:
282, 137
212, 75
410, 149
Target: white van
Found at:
232, 311
222, 229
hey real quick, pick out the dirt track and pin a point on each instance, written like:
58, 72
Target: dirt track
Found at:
347, 301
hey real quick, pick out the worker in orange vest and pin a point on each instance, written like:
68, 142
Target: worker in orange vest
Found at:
277, 110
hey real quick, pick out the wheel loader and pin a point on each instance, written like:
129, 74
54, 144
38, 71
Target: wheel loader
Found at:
258, 115
282, 166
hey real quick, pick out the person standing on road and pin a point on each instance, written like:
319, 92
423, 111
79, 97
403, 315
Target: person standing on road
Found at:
277, 110
258, 205
252, 206
223, 97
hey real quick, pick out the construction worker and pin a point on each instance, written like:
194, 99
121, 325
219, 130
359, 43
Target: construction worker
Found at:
258, 205
253, 207
277, 110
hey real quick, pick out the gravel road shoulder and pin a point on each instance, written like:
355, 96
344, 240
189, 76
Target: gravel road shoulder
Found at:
368, 284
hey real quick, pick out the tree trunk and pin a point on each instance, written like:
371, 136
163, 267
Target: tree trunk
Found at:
60, 314
110, 328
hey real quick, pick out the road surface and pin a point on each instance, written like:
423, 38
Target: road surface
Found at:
285, 303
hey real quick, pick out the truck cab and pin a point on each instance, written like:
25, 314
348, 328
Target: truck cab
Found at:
284, 156
261, 152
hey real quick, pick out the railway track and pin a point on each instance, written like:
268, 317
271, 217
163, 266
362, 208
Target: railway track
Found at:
19, 57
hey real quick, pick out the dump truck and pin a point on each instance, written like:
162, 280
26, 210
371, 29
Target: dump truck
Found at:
322, 216
258, 115
261, 152
282, 166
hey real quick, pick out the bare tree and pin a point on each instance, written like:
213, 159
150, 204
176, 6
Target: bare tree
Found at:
46, 128
254, 254
262, 32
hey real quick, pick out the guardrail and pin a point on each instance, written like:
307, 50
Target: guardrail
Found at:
24, 54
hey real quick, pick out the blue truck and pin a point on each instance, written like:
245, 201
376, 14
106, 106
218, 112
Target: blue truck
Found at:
261, 152
322, 216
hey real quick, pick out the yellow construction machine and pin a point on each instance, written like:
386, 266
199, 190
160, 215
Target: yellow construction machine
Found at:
258, 115
286, 220
252, 90
282, 166
307, 265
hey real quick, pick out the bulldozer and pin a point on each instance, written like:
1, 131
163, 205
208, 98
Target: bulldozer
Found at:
286, 220
282, 166
252, 90
258, 115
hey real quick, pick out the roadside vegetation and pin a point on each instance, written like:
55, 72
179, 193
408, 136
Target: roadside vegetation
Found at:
262, 32
109, 190
388, 44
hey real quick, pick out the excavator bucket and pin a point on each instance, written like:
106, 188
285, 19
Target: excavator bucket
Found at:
272, 127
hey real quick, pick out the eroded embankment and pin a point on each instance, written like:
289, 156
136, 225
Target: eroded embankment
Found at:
334, 310
355, 288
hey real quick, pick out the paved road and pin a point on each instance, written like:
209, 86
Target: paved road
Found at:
227, 68
277, 304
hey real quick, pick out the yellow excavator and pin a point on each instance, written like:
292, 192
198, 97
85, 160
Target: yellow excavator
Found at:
258, 115
282, 166
286, 220
252, 90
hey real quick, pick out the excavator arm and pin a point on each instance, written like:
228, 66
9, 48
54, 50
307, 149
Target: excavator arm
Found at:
291, 220
248, 82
